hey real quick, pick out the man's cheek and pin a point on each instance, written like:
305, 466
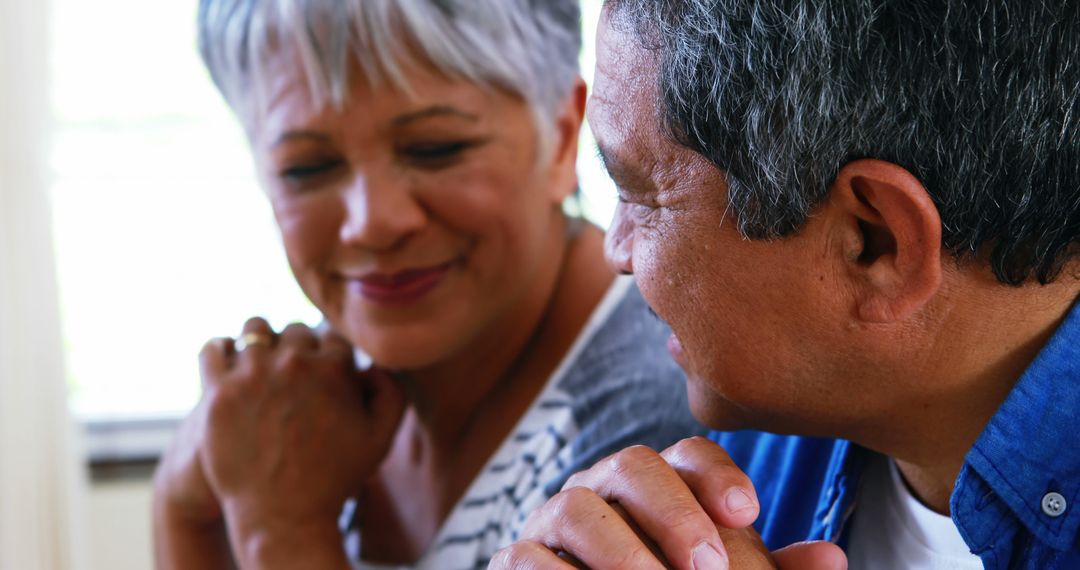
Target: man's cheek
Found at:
648, 277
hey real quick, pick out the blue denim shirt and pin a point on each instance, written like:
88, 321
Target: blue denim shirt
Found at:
1016, 501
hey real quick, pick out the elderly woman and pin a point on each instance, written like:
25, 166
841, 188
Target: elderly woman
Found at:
417, 154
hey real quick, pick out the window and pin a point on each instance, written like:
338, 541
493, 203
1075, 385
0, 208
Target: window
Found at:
163, 236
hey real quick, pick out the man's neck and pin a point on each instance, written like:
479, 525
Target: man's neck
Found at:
991, 336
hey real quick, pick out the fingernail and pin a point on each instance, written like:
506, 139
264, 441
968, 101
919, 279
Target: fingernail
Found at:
706, 557
738, 500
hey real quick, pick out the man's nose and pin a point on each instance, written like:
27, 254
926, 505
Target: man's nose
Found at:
619, 244
380, 213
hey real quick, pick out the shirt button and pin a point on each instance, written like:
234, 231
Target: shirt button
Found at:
1053, 504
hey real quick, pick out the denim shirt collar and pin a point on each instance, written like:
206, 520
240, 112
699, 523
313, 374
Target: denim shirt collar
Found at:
1029, 449
837, 502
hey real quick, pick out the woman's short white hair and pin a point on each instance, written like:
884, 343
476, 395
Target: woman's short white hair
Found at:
526, 47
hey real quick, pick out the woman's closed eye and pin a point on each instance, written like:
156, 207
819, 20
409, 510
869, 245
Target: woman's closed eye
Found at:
309, 171
436, 155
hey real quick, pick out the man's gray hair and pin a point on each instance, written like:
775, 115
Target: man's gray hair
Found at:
526, 47
979, 100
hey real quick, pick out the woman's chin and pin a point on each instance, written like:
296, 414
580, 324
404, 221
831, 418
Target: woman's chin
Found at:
403, 357
408, 348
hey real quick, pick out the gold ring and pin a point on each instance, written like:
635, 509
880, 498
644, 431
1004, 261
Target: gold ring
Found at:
253, 339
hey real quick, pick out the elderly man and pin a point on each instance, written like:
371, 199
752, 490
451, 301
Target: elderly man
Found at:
861, 220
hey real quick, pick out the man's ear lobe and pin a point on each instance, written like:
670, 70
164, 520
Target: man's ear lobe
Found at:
893, 241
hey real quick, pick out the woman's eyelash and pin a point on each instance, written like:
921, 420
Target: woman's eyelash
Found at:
436, 151
423, 153
303, 171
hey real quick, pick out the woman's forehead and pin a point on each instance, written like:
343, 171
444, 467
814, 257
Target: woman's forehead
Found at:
291, 104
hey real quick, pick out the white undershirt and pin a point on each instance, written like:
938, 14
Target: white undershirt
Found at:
892, 529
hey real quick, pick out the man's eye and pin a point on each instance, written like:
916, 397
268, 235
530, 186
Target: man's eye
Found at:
635, 205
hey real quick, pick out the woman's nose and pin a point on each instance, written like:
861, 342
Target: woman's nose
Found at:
379, 214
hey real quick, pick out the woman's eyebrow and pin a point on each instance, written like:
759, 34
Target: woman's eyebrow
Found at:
300, 135
398, 122
434, 111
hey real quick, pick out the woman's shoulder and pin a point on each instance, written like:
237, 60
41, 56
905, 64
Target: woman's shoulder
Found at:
624, 389
626, 343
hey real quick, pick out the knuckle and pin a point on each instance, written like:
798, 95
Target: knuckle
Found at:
687, 521
632, 556
692, 445
635, 459
570, 499
580, 479
299, 333
291, 361
336, 349
615, 471
578, 507
696, 450
561, 511
534, 524
256, 323
503, 559
298, 329
211, 347
517, 556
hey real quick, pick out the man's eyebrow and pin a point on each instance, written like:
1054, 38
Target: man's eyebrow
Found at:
434, 111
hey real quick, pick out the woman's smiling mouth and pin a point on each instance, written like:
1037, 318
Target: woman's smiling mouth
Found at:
399, 288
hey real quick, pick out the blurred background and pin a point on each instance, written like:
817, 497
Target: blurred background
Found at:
131, 230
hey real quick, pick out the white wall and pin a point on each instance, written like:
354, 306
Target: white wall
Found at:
119, 531
40, 484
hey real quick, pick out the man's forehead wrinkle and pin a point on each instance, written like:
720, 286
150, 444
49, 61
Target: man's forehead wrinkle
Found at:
619, 138
671, 168
625, 109
642, 137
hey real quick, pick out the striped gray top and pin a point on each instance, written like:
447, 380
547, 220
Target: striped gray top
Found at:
616, 387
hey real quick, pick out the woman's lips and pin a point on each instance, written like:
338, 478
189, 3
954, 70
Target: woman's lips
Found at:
676, 350
400, 288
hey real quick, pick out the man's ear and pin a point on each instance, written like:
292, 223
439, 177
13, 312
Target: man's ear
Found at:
891, 238
564, 148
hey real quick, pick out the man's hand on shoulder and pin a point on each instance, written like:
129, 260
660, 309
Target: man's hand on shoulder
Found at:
688, 508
